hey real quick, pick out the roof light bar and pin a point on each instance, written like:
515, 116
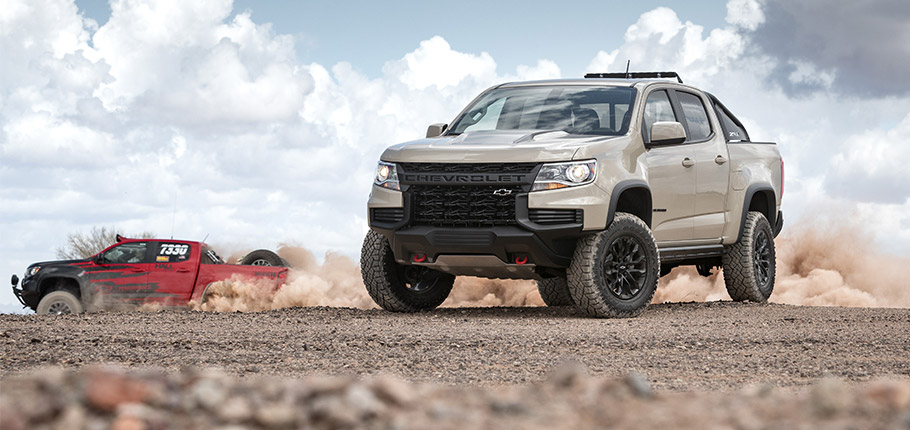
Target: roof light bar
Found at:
635, 75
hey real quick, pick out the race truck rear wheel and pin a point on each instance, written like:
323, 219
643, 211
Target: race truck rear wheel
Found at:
555, 292
59, 303
396, 287
749, 265
614, 272
262, 257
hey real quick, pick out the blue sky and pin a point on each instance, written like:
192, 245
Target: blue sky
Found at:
260, 123
367, 34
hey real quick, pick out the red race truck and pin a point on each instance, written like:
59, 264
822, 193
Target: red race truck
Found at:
137, 271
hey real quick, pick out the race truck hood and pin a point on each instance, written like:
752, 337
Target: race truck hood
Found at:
59, 262
494, 146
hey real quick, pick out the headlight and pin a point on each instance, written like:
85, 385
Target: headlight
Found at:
561, 175
387, 176
32, 270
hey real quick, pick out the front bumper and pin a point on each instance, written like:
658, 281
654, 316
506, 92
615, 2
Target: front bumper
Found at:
26, 291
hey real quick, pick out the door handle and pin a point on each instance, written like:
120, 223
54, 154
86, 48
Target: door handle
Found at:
720, 159
183, 270
688, 162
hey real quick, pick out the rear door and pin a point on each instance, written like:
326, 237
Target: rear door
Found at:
174, 271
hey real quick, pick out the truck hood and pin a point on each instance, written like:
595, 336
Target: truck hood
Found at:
60, 262
494, 146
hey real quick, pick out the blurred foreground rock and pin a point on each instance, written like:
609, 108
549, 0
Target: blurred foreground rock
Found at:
114, 398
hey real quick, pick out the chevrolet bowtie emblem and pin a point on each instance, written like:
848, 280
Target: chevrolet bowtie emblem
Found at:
502, 192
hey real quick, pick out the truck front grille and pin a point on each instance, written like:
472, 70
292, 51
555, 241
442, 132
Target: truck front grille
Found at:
463, 205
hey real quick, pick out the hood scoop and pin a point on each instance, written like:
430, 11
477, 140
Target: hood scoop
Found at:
501, 137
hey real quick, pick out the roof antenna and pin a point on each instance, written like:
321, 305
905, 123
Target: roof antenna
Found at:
204, 238
628, 62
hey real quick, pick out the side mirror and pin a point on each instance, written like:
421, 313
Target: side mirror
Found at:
667, 133
15, 280
436, 130
99, 259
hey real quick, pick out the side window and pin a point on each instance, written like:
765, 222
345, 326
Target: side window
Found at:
733, 132
128, 253
172, 252
657, 109
696, 116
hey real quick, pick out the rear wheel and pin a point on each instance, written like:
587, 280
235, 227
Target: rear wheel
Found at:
555, 292
262, 257
614, 272
749, 265
59, 303
397, 287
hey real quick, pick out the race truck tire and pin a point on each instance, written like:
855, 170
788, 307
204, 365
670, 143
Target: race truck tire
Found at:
59, 303
262, 257
749, 265
555, 292
397, 287
614, 272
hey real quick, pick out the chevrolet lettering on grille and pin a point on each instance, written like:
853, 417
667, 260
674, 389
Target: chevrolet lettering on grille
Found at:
461, 178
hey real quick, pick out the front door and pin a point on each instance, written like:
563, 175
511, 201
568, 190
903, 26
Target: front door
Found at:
119, 275
671, 176
712, 168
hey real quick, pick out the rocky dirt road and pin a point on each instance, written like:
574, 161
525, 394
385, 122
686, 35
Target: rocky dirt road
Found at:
713, 346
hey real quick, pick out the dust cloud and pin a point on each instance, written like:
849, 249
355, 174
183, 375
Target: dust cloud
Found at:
832, 265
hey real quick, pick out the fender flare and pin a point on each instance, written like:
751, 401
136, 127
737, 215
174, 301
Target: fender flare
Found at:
753, 189
621, 187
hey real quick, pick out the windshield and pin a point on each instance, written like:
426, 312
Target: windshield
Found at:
594, 110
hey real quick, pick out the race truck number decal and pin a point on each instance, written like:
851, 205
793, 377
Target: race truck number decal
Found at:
172, 252
173, 249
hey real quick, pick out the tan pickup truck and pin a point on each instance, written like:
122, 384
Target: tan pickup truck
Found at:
594, 187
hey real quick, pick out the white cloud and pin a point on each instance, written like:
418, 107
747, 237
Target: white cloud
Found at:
746, 14
176, 118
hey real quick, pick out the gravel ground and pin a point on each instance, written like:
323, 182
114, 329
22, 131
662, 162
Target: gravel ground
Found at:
110, 398
714, 346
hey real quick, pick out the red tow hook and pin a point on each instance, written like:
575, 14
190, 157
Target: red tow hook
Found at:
521, 259
420, 258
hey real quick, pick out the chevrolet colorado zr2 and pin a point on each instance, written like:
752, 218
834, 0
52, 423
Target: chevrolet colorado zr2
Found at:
593, 187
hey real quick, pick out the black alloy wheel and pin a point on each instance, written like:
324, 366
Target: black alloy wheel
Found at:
625, 268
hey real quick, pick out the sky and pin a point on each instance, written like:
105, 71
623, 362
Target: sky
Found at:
257, 123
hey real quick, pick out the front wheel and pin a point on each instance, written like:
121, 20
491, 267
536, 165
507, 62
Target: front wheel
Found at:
59, 303
749, 265
397, 287
614, 272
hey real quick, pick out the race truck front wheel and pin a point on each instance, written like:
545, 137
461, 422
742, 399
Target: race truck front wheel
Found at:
59, 303
614, 272
396, 287
749, 265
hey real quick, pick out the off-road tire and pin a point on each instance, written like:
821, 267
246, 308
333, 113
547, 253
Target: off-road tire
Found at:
59, 302
262, 257
595, 290
555, 292
388, 283
749, 265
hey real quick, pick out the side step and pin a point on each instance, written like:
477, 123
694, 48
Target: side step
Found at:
690, 252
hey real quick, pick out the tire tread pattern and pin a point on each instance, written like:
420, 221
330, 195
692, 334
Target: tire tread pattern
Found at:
555, 292
739, 272
583, 283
